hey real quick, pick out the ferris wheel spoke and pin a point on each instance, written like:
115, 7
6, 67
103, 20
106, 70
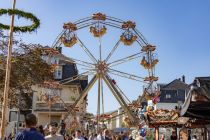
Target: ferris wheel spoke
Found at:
125, 59
86, 90
87, 51
140, 42
140, 36
82, 95
126, 75
124, 96
118, 96
57, 40
92, 70
112, 51
99, 40
76, 77
80, 62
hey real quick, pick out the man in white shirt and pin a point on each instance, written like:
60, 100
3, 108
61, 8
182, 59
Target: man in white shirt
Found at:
100, 135
78, 135
53, 135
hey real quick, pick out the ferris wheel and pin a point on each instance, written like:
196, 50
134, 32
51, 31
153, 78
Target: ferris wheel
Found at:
101, 68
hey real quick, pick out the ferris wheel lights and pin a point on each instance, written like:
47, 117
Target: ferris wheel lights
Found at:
148, 48
99, 16
98, 32
128, 24
128, 41
70, 26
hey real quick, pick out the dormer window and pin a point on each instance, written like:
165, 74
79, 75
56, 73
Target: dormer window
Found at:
168, 96
58, 73
54, 60
45, 58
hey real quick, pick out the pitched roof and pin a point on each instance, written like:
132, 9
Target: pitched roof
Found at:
200, 81
197, 104
174, 85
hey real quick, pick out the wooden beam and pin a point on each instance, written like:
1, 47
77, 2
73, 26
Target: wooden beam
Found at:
7, 78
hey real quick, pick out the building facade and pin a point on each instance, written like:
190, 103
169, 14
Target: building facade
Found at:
173, 94
68, 93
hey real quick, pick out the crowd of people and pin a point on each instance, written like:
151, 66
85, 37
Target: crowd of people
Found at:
32, 132
55, 132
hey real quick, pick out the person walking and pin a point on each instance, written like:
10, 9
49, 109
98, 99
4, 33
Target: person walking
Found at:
162, 137
173, 136
194, 137
30, 133
53, 133
78, 135
63, 128
106, 135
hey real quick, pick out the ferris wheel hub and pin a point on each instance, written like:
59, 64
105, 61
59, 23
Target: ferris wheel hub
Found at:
101, 67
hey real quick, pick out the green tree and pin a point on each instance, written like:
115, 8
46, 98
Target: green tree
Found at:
28, 69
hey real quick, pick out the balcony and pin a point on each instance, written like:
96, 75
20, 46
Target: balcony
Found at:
58, 107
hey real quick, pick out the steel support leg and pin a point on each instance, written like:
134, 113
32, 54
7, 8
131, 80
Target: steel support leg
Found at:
119, 98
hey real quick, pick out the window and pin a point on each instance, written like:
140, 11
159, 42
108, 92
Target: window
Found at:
58, 73
13, 116
168, 96
56, 61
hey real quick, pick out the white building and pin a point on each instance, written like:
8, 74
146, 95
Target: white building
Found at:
69, 92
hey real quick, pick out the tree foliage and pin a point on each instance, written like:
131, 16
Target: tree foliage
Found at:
27, 69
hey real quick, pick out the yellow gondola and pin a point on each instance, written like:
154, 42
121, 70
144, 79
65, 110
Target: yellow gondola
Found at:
147, 65
69, 43
97, 33
128, 24
126, 41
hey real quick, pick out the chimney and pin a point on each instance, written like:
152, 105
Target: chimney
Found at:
59, 49
183, 78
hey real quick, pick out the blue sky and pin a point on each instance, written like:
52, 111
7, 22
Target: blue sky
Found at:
180, 30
